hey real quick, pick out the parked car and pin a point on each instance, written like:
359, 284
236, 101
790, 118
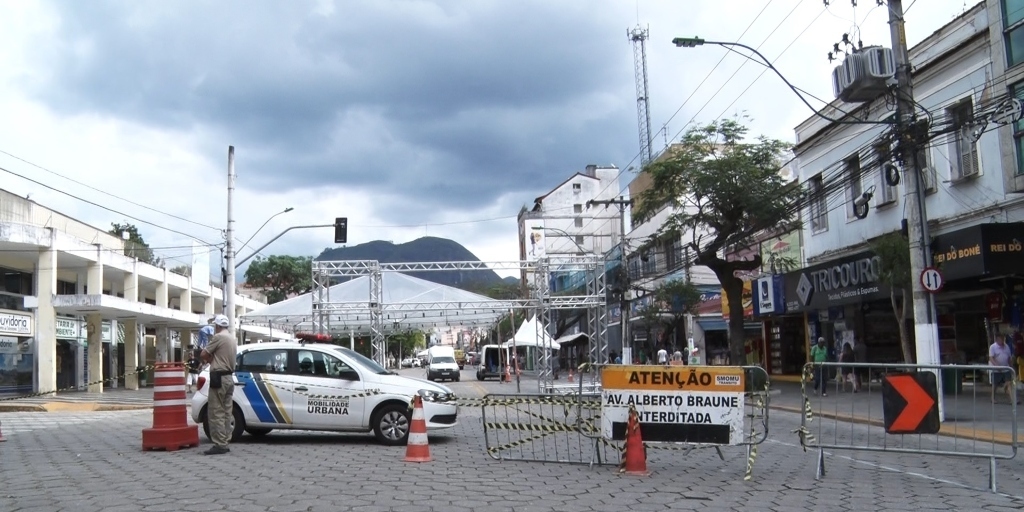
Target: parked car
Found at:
308, 386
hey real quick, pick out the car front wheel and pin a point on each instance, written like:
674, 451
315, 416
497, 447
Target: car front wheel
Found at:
391, 425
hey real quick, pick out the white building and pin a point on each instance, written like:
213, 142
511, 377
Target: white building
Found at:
74, 310
973, 199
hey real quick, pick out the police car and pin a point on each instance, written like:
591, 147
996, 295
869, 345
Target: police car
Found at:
308, 386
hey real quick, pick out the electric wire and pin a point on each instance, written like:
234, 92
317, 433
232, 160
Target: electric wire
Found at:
93, 203
86, 185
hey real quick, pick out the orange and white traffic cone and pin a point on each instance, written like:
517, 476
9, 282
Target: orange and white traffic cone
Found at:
634, 456
570, 374
417, 449
2, 438
508, 374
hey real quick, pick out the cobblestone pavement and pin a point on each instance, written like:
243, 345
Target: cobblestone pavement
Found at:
93, 462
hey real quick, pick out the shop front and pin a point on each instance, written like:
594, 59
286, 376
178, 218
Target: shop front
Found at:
983, 292
69, 352
17, 348
843, 301
717, 333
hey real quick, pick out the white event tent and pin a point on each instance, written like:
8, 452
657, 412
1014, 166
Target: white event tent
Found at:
411, 302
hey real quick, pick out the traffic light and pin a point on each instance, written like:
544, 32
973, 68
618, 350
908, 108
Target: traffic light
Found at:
341, 230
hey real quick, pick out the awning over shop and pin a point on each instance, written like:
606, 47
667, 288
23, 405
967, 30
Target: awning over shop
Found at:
717, 324
570, 339
111, 307
983, 250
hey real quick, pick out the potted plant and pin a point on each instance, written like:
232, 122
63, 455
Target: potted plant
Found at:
142, 376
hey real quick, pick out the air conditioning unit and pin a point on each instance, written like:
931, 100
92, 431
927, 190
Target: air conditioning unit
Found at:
864, 75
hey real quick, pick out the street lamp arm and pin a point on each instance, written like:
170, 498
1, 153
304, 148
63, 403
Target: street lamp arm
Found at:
272, 240
246, 244
690, 42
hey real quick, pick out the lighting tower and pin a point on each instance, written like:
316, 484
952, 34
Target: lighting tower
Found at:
639, 38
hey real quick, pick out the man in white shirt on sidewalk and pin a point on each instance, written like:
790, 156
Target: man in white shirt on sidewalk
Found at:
999, 355
662, 356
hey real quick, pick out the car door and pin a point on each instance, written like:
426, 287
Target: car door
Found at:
325, 400
264, 390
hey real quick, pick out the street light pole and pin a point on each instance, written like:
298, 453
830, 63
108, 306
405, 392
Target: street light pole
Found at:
229, 249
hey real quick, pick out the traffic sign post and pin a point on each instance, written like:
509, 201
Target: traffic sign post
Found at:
931, 279
910, 403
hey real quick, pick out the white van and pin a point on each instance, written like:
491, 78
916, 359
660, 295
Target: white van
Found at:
441, 364
493, 359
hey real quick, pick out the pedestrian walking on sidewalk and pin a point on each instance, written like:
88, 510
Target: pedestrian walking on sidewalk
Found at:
220, 353
847, 356
819, 354
999, 355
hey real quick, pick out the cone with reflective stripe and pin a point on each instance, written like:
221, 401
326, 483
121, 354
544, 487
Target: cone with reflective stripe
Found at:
570, 374
171, 430
417, 448
635, 455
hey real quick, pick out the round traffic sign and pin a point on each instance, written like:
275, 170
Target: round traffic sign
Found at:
931, 279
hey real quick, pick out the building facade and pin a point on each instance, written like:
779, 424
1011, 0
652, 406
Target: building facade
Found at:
971, 173
75, 311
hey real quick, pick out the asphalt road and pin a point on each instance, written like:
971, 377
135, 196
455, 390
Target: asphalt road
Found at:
85, 462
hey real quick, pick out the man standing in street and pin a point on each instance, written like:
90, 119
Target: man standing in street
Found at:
220, 354
662, 356
999, 355
819, 354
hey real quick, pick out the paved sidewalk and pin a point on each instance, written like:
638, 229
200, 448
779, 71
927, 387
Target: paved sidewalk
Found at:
969, 414
119, 399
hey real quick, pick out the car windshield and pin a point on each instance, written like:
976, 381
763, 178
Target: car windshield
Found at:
443, 359
368, 363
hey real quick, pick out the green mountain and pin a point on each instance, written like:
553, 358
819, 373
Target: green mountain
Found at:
426, 249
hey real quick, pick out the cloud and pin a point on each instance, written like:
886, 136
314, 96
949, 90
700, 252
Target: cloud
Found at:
411, 118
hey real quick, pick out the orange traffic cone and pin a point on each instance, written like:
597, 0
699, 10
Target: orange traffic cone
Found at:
508, 374
634, 456
2, 438
417, 449
570, 374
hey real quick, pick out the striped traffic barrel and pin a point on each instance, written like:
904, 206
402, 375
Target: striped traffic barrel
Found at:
170, 430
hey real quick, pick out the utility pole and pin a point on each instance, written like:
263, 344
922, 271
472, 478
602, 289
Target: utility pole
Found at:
622, 203
229, 249
925, 327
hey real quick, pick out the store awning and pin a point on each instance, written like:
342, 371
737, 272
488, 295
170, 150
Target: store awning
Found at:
718, 324
111, 307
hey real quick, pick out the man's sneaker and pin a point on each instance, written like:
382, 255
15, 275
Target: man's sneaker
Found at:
217, 450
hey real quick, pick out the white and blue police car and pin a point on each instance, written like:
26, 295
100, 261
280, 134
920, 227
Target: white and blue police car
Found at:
314, 386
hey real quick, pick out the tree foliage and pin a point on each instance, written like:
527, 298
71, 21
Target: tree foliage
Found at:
182, 270
281, 276
721, 190
672, 300
893, 252
135, 246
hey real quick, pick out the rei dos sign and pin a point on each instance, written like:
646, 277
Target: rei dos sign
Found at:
678, 404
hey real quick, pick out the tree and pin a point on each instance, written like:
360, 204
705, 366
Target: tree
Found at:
281, 276
406, 344
722, 190
894, 271
671, 301
135, 246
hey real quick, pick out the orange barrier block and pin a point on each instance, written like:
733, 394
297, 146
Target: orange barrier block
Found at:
171, 430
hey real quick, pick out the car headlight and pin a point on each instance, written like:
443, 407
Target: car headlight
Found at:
434, 396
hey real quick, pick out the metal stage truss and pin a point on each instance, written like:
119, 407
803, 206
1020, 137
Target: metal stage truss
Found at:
587, 291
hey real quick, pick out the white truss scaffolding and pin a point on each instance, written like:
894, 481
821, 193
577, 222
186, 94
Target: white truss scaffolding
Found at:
332, 317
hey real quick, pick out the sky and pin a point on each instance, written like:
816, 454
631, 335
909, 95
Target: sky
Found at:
410, 118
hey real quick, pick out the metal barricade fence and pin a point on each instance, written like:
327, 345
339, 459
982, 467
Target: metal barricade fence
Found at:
546, 428
565, 426
909, 408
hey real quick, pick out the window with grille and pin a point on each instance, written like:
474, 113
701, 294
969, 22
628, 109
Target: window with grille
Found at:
854, 187
963, 152
887, 194
1018, 128
819, 205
